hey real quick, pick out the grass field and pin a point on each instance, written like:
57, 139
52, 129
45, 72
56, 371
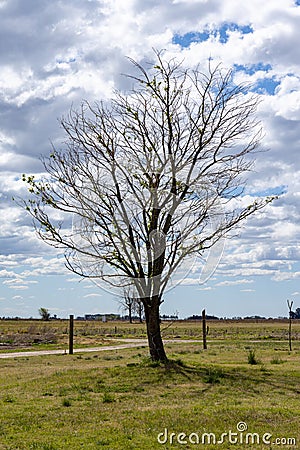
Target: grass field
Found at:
54, 334
120, 400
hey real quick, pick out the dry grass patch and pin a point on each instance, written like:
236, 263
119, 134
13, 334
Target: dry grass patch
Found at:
120, 400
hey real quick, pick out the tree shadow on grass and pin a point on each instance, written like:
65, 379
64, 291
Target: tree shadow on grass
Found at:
245, 377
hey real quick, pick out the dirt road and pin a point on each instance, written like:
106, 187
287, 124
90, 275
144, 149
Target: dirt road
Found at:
128, 343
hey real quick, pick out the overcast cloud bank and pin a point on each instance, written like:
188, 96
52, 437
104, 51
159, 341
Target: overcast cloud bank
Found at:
53, 54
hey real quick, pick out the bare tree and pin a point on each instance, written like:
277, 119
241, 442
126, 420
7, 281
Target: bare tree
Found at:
130, 303
145, 176
44, 313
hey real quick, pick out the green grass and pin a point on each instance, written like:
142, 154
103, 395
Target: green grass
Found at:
54, 334
120, 400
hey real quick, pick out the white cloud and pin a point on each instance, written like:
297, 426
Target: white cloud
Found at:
282, 276
19, 287
7, 274
18, 283
189, 281
234, 282
92, 295
81, 54
206, 288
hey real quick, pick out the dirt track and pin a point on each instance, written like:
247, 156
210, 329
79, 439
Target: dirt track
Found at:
128, 343
76, 350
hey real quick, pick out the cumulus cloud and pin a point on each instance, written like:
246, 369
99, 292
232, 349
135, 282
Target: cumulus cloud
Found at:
92, 295
234, 282
205, 288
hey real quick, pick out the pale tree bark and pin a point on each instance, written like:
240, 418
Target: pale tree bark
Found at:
143, 179
130, 303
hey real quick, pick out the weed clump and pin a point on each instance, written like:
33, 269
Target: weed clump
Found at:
252, 358
213, 376
108, 398
277, 360
66, 402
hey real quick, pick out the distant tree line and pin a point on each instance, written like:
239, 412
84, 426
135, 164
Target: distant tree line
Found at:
199, 317
132, 306
167, 317
295, 314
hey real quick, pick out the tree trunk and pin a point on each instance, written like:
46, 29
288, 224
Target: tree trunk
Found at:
140, 312
156, 346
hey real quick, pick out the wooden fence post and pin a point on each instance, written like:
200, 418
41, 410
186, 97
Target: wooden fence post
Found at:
204, 329
290, 305
71, 334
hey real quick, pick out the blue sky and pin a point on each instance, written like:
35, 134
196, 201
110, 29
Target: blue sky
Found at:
63, 52
220, 34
